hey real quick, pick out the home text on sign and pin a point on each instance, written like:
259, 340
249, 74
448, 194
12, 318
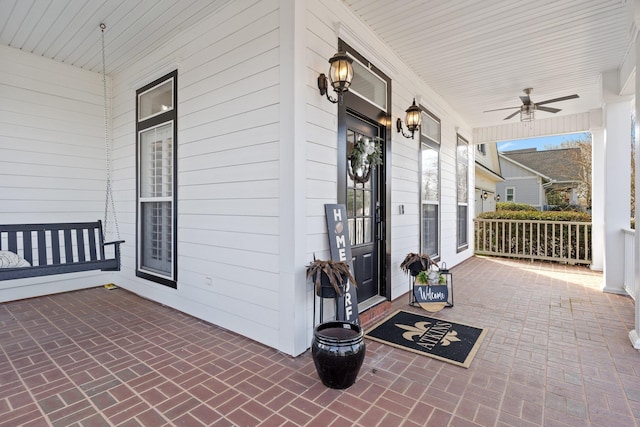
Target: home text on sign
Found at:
340, 247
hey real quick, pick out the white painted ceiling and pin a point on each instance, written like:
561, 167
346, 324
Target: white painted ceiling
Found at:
477, 54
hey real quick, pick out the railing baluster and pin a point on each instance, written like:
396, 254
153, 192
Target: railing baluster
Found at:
562, 241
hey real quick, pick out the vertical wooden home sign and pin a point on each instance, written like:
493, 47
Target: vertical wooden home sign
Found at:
346, 305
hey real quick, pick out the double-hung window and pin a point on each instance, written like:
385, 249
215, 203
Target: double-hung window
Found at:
462, 178
156, 181
511, 194
430, 185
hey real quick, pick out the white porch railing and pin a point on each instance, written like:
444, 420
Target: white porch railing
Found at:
628, 280
560, 241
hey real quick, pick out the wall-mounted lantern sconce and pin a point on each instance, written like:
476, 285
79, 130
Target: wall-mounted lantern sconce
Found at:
340, 76
497, 198
413, 119
485, 195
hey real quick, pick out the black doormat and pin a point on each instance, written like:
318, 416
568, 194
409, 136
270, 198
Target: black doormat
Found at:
438, 338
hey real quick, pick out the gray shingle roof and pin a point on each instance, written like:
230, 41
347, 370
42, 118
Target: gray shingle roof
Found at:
559, 165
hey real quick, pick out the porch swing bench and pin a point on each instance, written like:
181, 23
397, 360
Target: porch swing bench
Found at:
59, 248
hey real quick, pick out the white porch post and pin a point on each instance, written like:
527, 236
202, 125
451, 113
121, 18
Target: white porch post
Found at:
597, 191
617, 182
295, 321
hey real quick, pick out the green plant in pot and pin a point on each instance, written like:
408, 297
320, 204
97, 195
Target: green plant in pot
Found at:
431, 277
414, 263
430, 290
329, 277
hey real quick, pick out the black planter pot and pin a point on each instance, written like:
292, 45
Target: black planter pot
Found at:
415, 268
338, 350
326, 289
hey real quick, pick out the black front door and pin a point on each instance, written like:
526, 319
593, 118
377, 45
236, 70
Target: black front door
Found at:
363, 213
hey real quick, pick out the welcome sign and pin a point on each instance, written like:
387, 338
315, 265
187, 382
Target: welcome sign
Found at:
340, 246
431, 297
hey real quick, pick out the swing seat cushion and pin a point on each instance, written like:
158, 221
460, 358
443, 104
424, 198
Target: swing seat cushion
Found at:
10, 259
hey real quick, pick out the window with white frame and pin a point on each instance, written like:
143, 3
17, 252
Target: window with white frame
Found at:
430, 185
156, 179
510, 193
462, 178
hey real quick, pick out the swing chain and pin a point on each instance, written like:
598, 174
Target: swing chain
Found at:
107, 146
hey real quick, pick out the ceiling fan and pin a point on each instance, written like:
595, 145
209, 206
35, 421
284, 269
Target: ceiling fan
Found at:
528, 108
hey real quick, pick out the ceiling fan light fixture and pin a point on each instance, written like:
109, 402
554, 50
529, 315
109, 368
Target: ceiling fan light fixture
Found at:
527, 108
527, 113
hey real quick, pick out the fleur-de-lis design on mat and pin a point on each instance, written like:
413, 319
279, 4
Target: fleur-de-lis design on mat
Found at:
421, 327
414, 331
449, 338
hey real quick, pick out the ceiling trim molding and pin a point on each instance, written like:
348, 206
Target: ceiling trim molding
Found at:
572, 123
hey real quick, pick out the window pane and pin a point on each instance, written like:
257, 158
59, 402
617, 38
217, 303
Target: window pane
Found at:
156, 100
352, 231
462, 161
156, 227
368, 85
359, 203
430, 230
430, 127
367, 203
350, 203
156, 162
462, 156
462, 226
430, 175
359, 231
367, 230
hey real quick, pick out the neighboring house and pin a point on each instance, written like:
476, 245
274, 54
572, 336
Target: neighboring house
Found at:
532, 175
488, 175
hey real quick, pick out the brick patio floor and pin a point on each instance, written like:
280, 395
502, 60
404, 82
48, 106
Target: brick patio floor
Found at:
556, 354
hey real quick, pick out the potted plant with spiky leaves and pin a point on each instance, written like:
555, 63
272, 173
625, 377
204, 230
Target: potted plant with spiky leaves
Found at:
329, 277
414, 263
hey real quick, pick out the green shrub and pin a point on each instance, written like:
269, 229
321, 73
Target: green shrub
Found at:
537, 215
513, 206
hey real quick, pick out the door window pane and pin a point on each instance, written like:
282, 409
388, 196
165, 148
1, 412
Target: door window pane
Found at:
359, 201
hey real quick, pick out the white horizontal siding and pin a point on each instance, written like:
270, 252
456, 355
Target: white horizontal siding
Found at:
52, 155
51, 140
228, 168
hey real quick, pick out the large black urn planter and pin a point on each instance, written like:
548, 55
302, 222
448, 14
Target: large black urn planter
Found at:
338, 350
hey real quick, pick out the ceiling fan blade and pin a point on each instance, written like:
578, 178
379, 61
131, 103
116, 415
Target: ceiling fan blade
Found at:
548, 109
512, 115
499, 109
562, 98
525, 100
